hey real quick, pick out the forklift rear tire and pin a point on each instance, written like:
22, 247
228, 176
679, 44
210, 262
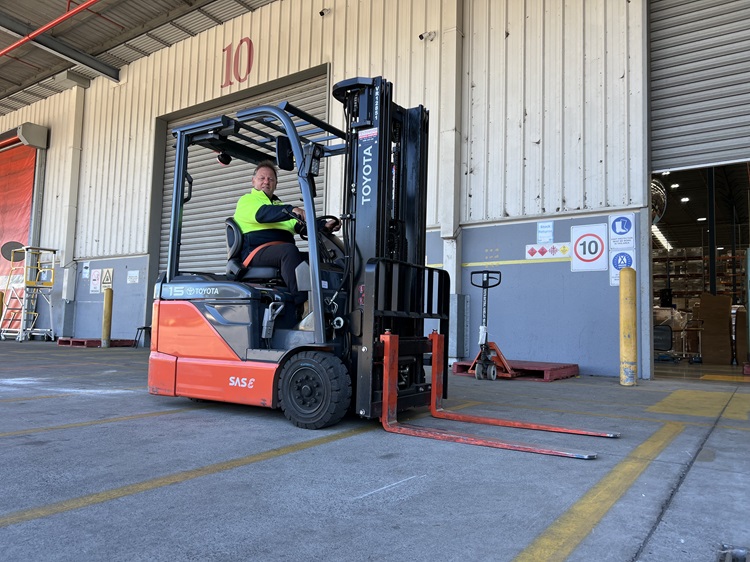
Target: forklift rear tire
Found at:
315, 389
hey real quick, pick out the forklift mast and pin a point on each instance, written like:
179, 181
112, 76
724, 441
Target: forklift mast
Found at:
386, 177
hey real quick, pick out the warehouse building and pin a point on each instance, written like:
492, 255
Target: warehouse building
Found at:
551, 125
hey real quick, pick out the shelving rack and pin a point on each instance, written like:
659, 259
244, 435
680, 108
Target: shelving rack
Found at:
686, 272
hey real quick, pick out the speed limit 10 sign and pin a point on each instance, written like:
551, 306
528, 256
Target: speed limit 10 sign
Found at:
589, 245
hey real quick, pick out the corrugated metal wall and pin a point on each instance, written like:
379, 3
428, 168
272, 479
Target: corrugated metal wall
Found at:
700, 83
554, 107
55, 113
553, 118
356, 38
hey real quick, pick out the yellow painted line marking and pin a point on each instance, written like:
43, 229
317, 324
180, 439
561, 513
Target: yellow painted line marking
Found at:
514, 262
726, 378
179, 477
738, 408
561, 538
700, 403
98, 422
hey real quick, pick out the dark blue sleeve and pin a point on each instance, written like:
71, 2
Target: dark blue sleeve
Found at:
274, 213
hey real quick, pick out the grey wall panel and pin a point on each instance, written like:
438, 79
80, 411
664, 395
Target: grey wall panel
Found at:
700, 83
542, 311
129, 291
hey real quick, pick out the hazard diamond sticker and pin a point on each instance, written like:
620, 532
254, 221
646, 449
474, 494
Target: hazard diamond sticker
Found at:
555, 250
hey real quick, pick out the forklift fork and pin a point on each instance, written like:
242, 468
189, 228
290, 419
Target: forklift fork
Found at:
390, 408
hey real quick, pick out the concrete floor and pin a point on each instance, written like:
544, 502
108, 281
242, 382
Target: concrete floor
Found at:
95, 468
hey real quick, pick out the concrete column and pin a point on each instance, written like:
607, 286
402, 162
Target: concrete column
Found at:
449, 159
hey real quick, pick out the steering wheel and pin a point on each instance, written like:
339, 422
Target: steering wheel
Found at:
325, 218
322, 219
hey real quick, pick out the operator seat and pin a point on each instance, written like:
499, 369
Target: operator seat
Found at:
236, 270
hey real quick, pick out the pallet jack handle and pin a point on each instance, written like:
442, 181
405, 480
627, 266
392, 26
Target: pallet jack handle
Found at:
489, 279
390, 409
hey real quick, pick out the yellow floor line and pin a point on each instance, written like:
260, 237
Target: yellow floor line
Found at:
98, 422
701, 403
726, 378
561, 538
108, 495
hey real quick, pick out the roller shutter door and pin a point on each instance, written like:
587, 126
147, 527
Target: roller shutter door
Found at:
700, 83
217, 188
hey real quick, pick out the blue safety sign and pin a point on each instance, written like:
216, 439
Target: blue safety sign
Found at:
622, 260
622, 231
621, 226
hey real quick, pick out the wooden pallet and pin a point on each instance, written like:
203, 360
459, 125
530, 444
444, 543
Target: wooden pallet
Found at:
84, 342
527, 370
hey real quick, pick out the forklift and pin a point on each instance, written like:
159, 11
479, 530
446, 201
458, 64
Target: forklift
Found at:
236, 337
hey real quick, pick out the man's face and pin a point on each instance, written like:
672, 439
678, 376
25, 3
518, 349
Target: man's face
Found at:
265, 180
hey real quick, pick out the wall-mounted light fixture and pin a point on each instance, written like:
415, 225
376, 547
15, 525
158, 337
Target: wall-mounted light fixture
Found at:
324, 12
224, 159
427, 36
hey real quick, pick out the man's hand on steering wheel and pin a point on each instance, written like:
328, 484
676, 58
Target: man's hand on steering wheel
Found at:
332, 223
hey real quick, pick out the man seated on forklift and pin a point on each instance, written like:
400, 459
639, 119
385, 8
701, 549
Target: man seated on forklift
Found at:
268, 226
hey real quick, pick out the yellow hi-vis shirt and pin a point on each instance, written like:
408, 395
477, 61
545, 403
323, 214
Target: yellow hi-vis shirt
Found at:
256, 212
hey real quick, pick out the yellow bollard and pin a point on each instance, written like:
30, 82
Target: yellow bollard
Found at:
628, 328
107, 318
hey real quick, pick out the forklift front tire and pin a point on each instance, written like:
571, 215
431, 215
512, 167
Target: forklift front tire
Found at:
315, 389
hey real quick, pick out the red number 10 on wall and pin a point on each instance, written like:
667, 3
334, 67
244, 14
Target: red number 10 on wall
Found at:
237, 62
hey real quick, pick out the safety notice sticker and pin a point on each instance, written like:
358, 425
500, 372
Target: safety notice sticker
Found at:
618, 259
622, 231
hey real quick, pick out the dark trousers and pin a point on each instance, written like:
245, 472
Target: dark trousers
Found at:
286, 257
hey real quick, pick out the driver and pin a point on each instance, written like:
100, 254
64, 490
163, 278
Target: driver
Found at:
270, 225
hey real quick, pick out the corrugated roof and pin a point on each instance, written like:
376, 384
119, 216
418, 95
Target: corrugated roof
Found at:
115, 32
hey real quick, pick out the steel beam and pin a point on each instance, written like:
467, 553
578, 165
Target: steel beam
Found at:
58, 48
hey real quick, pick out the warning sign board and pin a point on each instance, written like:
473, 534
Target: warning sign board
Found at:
107, 274
589, 243
617, 260
622, 231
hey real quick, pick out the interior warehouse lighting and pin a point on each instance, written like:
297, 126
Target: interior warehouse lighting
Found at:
675, 185
661, 238
701, 219
685, 199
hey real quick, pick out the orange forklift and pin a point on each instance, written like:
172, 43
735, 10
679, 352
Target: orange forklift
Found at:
236, 337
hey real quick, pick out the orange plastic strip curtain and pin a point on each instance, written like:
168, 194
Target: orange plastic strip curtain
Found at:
16, 191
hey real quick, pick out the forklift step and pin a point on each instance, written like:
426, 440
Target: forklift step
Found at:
82, 342
526, 370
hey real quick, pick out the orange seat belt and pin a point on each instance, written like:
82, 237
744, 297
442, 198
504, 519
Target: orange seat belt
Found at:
251, 255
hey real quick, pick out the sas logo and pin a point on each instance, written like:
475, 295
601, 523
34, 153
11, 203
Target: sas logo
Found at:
242, 382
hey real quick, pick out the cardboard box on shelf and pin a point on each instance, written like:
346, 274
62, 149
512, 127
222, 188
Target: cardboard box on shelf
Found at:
716, 337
